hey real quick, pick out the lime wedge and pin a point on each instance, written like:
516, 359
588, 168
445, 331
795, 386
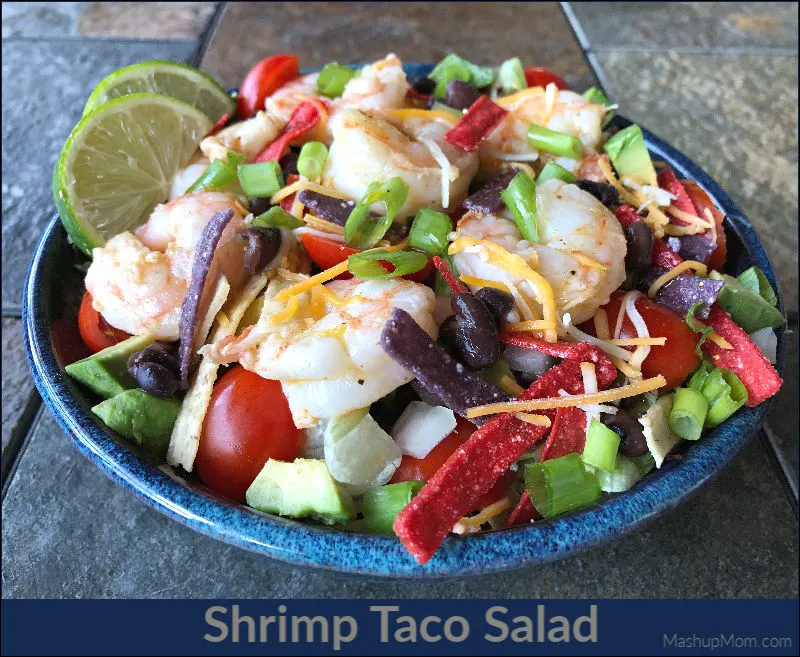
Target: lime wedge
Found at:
119, 163
164, 77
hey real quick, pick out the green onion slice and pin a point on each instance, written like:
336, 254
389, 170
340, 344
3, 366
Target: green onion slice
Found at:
312, 159
382, 504
520, 197
702, 331
561, 485
511, 76
429, 231
558, 143
600, 450
367, 265
553, 170
698, 378
454, 67
333, 78
440, 286
725, 394
688, 414
219, 175
260, 180
362, 231
597, 97
277, 217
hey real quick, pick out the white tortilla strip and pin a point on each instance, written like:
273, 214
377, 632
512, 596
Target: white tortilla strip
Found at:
185, 437
660, 440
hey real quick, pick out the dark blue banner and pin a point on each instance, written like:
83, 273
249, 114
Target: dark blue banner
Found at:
394, 627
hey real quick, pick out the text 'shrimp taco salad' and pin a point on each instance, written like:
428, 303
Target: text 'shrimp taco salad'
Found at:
419, 307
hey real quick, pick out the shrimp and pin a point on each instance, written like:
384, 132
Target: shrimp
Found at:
367, 148
562, 111
249, 137
327, 356
580, 252
138, 280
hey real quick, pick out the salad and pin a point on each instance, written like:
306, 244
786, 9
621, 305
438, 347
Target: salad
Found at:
414, 307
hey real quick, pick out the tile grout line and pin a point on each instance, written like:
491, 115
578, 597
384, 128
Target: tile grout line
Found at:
580, 36
19, 439
84, 39
204, 40
700, 50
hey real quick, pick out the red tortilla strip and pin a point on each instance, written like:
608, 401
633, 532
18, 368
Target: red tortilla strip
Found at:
476, 125
305, 117
662, 255
670, 183
523, 513
567, 435
745, 360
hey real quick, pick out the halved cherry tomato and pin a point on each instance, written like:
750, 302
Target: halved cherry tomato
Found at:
264, 79
96, 332
677, 358
328, 253
536, 76
701, 202
248, 422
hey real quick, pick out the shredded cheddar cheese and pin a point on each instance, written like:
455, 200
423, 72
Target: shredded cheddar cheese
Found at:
535, 325
305, 184
470, 524
587, 261
321, 224
291, 308
530, 418
639, 342
513, 99
510, 385
550, 97
449, 172
483, 282
307, 284
676, 271
403, 114
601, 324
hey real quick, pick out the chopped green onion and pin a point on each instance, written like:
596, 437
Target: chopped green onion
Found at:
553, 170
511, 76
441, 107
454, 67
688, 414
312, 159
756, 280
429, 231
362, 231
219, 175
440, 286
367, 265
558, 143
333, 78
597, 97
260, 180
382, 504
499, 373
341, 425
520, 197
560, 485
699, 376
601, 447
626, 473
278, 217
725, 393
645, 463
702, 331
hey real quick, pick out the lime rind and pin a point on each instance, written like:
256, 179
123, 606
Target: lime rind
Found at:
119, 162
168, 78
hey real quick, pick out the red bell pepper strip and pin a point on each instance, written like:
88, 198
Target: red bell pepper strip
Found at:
662, 255
669, 182
305, 117
567, 435
523, 513
476, 125
288, 201
458, 486
447, 274
219, 125
745, 360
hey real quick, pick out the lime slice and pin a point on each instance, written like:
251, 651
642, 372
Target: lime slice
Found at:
164, 77
119, 163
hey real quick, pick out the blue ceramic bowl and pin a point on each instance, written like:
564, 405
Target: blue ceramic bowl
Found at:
53, 292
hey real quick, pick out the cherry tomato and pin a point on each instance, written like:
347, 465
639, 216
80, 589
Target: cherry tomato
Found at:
248, 422
328, 253
263, 80
701, 202
677, 358
536, 76
96, 332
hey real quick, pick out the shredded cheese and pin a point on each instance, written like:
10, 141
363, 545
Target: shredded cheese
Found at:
307, 284
449, 172
630, 390
587, 261
300, 185
428, 115
519, 166
322, 224
713, 222
639, 342
601, 324
510, 385
483, 282
550, 97
687, 217
676, 271
510, 157
530, 418
589, 376
626, 369
291, 308
608, 347
655, 218
470, 524
713, 336
641, 352
513, 99
535, 325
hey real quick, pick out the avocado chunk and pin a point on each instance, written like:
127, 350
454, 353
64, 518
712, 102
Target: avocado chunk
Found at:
106, 372
629, 156
141, 417
747, 308
301, 489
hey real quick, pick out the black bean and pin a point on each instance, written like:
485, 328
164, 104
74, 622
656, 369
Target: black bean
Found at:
259, 205
487, 199
632, 441
334, 210
461, 95
423, 85
447, 336
498, 302
262, 246
640, 238
163, 353
476, 333
288, 164
603, 192
156, 379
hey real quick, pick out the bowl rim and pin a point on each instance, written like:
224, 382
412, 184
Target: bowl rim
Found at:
327, 548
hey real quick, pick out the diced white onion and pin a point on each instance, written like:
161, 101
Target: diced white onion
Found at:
421, 427
529, 361
767, 341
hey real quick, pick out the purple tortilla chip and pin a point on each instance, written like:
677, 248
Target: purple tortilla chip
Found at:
334, 210
487, 199
681, 293
692, 247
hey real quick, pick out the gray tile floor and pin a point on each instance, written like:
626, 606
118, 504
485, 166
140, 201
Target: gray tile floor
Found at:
719, 81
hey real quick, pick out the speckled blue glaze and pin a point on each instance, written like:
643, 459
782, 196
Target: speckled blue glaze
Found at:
307, 544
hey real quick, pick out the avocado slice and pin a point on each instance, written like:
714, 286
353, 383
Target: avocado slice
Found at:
301, 489
141, 417
629, 156
747, 308
106, 372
